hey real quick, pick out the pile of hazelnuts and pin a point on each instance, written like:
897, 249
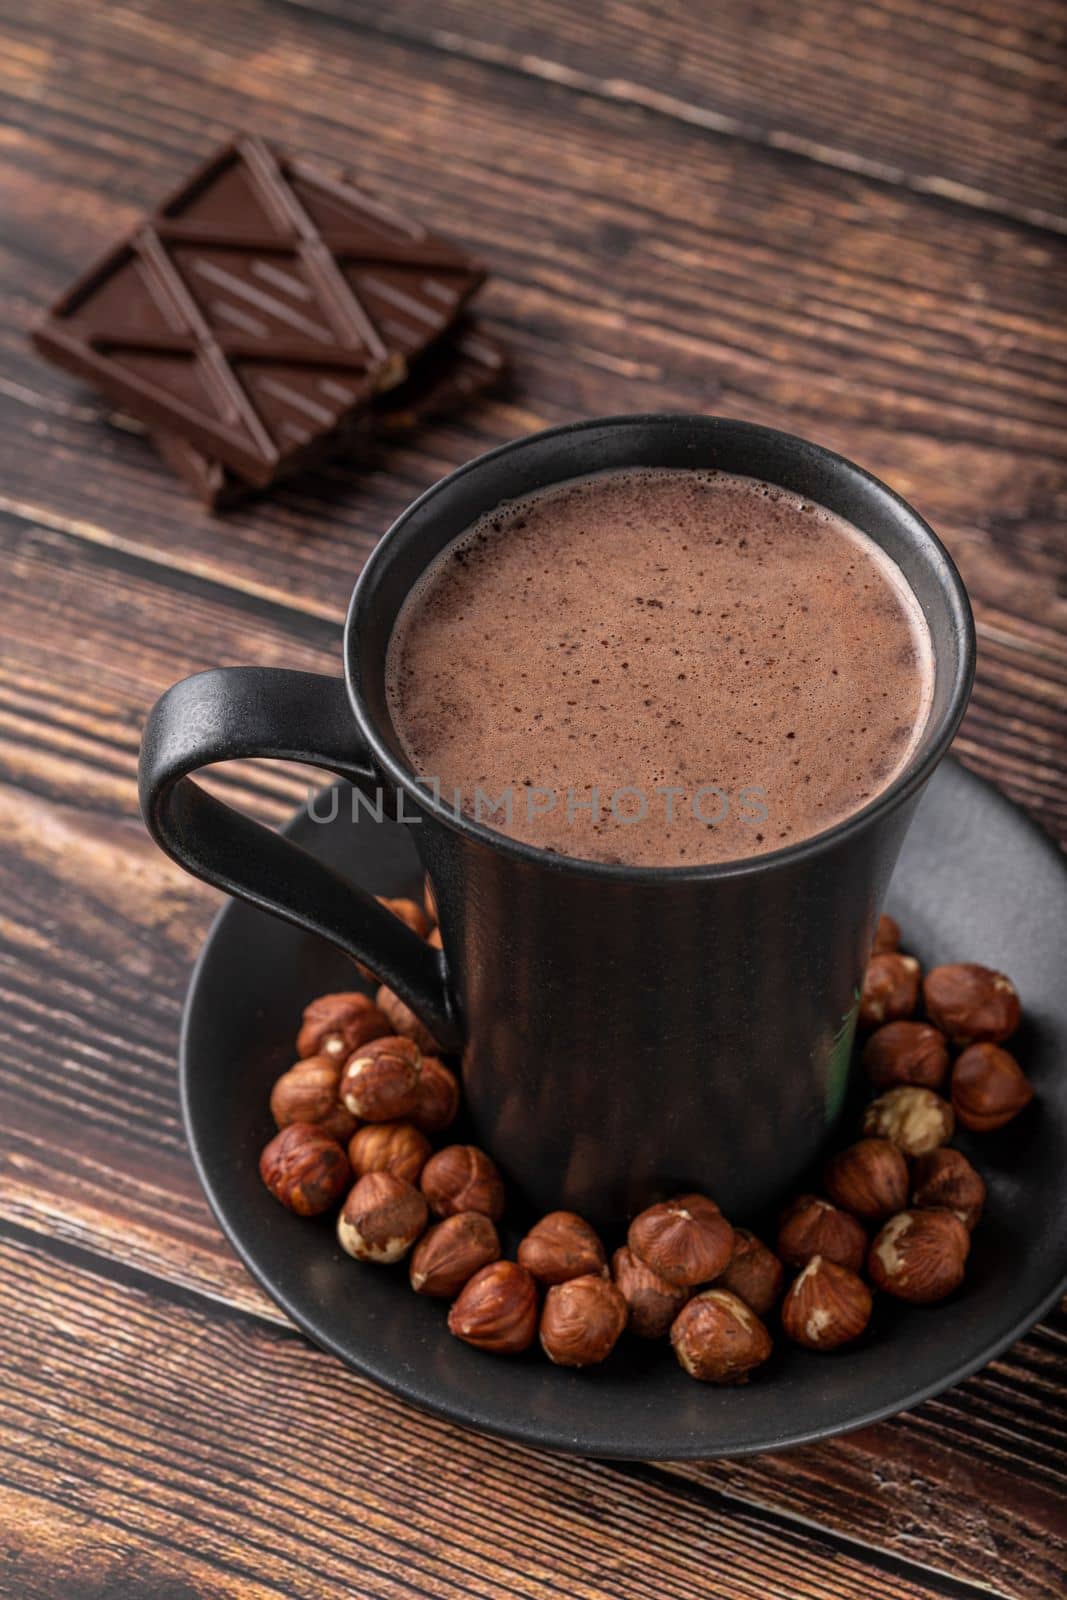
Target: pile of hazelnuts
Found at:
358, 1113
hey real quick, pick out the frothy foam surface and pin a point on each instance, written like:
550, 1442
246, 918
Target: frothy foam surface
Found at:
574, 655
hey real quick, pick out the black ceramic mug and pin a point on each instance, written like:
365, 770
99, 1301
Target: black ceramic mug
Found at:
626, 1032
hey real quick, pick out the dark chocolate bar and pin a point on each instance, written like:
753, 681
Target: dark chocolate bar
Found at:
462, 365
262, 305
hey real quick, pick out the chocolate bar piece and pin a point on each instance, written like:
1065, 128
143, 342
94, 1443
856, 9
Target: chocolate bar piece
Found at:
462, 365
262, 305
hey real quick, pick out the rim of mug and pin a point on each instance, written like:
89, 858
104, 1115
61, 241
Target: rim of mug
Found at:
934, 743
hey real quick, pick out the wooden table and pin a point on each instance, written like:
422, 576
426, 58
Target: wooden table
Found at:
842, 220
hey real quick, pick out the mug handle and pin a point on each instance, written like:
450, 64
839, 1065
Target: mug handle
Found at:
234, 712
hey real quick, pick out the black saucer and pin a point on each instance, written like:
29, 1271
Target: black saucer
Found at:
977, 881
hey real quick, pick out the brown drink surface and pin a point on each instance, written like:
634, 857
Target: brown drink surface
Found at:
630, 632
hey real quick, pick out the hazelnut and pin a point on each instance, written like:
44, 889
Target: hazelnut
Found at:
396, 1147
915, 1120
381, 1218
686, 1240
906, 1052
305, 1169
403, 1020
919, 1255
336, 1024
718, 1339
380, 1081
654, 1303
970, 1003
890, 989
561, 1246
409, 912
988, 1088
308, 1093
429, 899
870, 1179
813, 1227
827, 1306
582, 1320
755, 1273
497, 1309
451, 1253
463, 1178
886, 936
438, 1097
944, 1180
434, 938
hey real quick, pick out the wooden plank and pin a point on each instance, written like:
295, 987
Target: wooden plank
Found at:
958, 102
96, 939
148, 1443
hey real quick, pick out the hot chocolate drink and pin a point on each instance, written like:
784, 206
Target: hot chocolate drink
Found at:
661, 668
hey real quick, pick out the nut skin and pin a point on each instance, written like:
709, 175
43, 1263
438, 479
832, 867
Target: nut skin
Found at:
890, 989
718, 1339
915, 1120
451, 1252
582, 1320
336, 1024
654, 1303
438, 1097
497, 1310
827, 1306
403, 1020
463, 1178
869, 1178
886, 936
686, 1240
944, 1180
305, 1169
906, 1052
561, 1246
988, 1088
919, 1256
755, 1274
381, 1218
812, 1227
971, 1004
308, 1093
396, 1147
380, 1082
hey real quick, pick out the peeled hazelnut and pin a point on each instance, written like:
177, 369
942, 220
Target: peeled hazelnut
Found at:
654, 1303
308, 1093
582, 1320
827, 1306
497, 1310
561, 1246
813, 1227
890, 989
438, 1097
886, 936
919, 1255
944, 1180
451, 1253
755, 1273
381, 1218
870, 1179
718, 1339
915, 1120
396, 1147
686, 1241
336, 1024
988, 1088
463, 1178
404, 1021
305, 1169
906, 1052
970, 1003
380, 1082
429, 899
409, 912
434, 938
